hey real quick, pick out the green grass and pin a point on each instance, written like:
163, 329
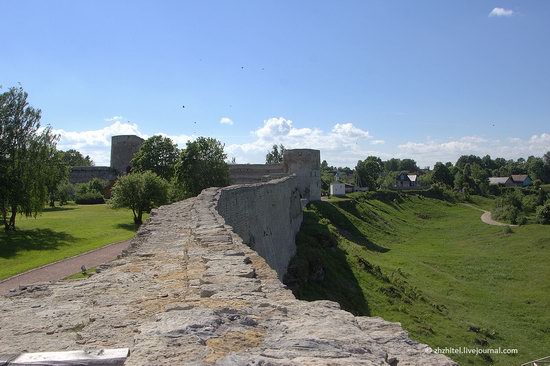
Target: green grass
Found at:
450, 279
546, 187
60, 233
81, 276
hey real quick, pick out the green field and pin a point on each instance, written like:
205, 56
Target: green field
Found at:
59, 233
450, 279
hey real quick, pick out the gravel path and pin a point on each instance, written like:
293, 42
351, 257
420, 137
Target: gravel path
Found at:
58, 270
487, 218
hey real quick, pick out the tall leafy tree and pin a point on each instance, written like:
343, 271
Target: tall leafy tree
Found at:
442, 174
201, 165
58, 172
158, 154
26, 153
74, 157
275, 156
368, 171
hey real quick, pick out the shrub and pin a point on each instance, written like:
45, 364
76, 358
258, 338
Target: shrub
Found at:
89, 198
529, 203
140, 192
543, 213
506, 213
65, 192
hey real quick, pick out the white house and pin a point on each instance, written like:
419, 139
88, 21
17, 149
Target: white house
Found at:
337, 189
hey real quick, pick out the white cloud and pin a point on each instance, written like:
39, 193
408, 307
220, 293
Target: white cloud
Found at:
226, 121
344, 144
432, 151
378, 142
501, 12
97, 143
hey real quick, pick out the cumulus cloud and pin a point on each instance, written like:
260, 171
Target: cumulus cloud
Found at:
501, 12
432, 151
97, 143
226, 121
378, 142
344, 144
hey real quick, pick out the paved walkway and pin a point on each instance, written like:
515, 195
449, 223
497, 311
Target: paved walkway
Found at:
58, 270
487, 218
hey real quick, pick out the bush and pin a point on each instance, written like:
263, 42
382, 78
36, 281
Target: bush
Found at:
506, 213
140, 192
543, 213
529, 203
65, 192
89, 198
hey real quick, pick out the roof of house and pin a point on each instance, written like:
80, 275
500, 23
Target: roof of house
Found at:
519, 178
403, 176
498, 180
412, 177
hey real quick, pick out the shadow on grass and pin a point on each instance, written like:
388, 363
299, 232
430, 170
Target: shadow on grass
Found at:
58, 208
129, 227
320, 269
346, 228
37, 239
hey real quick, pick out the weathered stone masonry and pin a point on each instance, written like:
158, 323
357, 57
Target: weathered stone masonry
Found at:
190, 292
266, 216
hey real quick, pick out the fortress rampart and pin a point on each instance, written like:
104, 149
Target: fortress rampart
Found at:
191, 292
305, 164
266, 216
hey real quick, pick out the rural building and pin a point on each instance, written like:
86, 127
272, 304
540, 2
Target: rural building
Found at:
406, 180
519, 180
522, 180
504, 181
337, 189
350, 188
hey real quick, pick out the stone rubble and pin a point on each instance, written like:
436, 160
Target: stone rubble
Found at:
189, 292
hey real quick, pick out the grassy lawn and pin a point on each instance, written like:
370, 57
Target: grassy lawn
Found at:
450, 279
59, 233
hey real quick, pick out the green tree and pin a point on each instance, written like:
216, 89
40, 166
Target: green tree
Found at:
140, 192
368, 171
275, 156
543, 213
201, 165
73, 157
58, 172
158, 154
442, 174
408, 165
25, 155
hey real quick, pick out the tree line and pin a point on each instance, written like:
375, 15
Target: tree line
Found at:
34, 173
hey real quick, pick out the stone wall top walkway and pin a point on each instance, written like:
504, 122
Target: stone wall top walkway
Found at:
190, 292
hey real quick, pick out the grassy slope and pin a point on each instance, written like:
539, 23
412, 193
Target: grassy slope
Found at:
60, 233
434, 267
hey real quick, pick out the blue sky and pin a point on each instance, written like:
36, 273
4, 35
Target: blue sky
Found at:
431, 80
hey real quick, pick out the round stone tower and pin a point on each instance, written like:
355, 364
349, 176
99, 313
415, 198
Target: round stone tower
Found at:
123, 148
306, 164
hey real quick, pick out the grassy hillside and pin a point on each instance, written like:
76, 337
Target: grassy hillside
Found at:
59, 233
450, 279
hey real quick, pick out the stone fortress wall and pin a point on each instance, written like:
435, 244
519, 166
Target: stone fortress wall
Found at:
123, 148
190, 292
267, 217
305, 164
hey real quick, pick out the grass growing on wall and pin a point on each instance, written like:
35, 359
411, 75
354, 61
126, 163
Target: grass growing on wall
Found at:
59, 233
451, 280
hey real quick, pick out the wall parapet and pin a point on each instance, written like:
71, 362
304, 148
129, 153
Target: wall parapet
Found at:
191, 292
267, 217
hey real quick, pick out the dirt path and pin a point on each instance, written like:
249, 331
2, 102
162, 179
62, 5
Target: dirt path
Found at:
58, 270
487, 218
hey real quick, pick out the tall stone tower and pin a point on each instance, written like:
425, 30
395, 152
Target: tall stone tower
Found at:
306, 164
123, 148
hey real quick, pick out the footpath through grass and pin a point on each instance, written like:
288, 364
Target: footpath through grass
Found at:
60, 233
451, 280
